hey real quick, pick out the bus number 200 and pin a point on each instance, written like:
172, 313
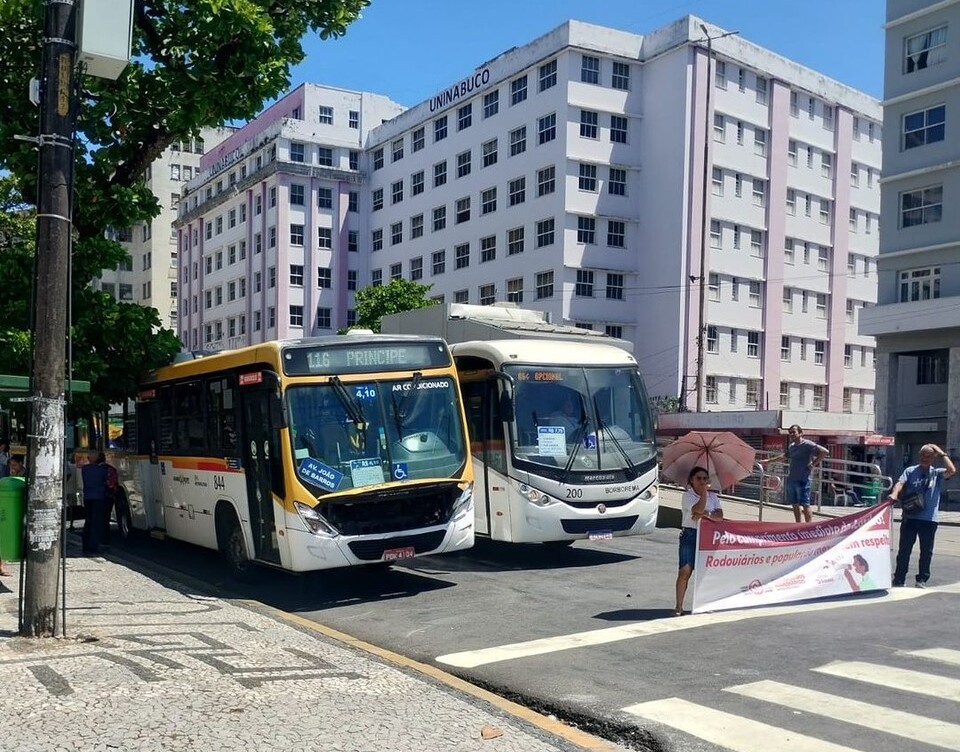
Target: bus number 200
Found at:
574, 493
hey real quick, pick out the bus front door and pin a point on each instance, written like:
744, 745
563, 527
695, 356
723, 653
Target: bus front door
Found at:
488, 450
261, 415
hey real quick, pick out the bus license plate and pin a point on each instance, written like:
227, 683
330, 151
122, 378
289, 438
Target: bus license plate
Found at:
600, 535
395, 554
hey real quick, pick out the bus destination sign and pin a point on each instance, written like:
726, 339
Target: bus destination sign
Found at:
363, 358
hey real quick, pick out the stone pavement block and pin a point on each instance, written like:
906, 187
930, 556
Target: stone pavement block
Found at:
170, 670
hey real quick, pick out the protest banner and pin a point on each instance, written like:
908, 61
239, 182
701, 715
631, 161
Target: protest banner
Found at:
741, 564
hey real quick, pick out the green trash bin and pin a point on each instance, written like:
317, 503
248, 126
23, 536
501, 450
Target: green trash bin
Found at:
13, 500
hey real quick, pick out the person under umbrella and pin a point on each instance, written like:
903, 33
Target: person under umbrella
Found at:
698, 502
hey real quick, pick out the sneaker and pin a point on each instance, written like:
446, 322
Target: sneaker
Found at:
898, 584
921, 584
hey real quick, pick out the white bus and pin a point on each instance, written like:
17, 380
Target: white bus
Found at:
562, 439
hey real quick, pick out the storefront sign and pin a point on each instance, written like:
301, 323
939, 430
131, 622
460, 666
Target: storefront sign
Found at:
877, 440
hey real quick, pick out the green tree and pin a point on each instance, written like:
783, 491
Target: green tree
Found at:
196, 64
375, 302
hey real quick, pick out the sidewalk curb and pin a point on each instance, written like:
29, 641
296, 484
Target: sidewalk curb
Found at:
569, 734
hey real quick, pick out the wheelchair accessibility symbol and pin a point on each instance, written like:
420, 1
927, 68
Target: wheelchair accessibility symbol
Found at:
400, 471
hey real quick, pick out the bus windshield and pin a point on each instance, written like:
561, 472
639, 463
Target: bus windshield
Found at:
581, 418
349, 435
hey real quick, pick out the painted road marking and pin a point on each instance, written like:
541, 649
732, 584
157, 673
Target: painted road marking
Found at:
729, 731
836, 707
485, 656
942, 655
903, 679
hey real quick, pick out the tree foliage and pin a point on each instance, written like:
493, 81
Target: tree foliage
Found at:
196, 64
375, 302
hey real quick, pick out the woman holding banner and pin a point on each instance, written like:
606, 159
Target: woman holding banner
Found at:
698, 502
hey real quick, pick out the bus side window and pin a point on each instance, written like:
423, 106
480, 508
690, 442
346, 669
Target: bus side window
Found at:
166, 420
189, 434
222, 416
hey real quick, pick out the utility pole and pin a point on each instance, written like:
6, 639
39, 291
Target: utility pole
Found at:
38, 617
704, 221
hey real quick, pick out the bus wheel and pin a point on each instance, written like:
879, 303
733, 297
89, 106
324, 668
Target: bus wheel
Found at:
124, 520
235, 550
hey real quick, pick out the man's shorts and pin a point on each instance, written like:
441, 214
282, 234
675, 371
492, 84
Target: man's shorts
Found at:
797, 492
688, 547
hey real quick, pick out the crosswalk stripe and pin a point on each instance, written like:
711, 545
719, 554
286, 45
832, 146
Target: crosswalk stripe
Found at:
942, 655
544, 645
904, 679
888, 720
727, 730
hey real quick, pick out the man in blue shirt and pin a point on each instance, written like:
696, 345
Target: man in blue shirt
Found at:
803, 455
922, 522
95, 495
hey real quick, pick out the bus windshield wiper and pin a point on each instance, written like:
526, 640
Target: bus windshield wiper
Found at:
353, 408
584, 419
400, 408
604, 431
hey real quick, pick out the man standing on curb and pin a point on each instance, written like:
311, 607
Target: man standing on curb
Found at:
922, 522
803, 455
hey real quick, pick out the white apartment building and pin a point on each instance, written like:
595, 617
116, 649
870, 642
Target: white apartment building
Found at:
149, 276
569, 175
917, 319
269, 229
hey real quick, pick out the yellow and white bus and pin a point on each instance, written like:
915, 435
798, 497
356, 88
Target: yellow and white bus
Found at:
304, 454
562, 439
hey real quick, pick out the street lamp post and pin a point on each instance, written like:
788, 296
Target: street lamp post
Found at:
704, 221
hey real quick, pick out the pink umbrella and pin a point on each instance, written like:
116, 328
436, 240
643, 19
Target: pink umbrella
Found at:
725, 456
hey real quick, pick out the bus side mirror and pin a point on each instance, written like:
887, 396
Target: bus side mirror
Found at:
506, 406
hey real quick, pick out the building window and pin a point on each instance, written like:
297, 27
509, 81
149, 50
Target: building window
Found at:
621, 76
926, 49
614, 286
826, 165
719, 129
920, 284
616, 233
324, 238
613, 330
761, 90
517, 191
720, 75
588, 178
710, 390
296, 152
716, 234
759, 192
932, 367
785, 349
756, 243
439, 174
546, 180
353, 159
518, 141
461, 296
377, 199
376, 277
788, 300
544, 285
548, 75
324, 278
821, 305
488, 249
416, 268
438, 262
924, 127
547, 128
439, 218
325, 115
589, 69
396, 150
416, 226
488, 201
545, 232
465, 116
353, 119
296, 234
323, 319
847, 356
296, 275
617, 182
418, 139
518, 90
396, 190
823, 259
353, 241
819, 352
488, 294
618, 129
754, 295
586, 230
489, 152
922, 206
515, 290
717, 181
584, 286
463, 163
589, 124
791, 202
376, 240
713, 341
440, 128
740, 133
713, 286
324, 198
515, 241
296, 315
463, 210
753, 392
491, 103
462, 256
396, 233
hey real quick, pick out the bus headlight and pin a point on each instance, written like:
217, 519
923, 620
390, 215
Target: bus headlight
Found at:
534, 496
462, 504
649, 492
314, 521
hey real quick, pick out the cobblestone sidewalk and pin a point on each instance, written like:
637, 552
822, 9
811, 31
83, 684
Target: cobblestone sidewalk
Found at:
148, 667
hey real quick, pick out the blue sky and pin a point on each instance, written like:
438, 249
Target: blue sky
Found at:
411, 49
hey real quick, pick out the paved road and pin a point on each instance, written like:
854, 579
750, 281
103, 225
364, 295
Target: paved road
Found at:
584, 632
